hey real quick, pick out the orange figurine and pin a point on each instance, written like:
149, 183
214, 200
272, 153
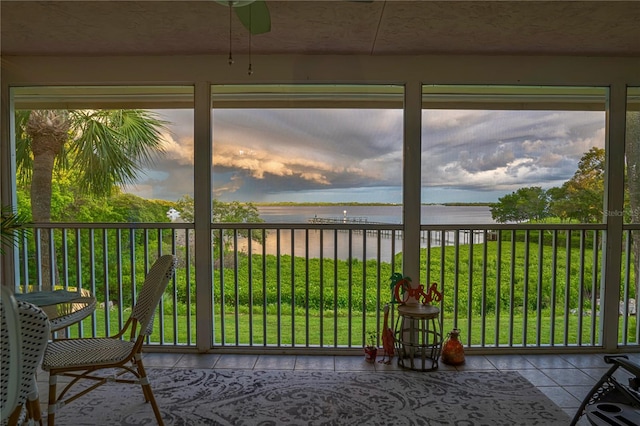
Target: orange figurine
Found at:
388, 341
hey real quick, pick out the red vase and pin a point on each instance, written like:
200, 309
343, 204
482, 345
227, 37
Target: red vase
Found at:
452, 349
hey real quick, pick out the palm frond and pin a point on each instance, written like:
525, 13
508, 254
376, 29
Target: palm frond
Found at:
112, 146
11, 227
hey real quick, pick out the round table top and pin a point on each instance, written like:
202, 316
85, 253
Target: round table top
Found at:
63, 307
418, 311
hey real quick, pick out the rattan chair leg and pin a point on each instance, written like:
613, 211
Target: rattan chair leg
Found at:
51, 406
15, 416
154, 405
33, 410
148, 392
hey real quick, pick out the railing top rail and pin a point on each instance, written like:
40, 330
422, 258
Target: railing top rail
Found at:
515, 226
103, 225
326, 226
314, 226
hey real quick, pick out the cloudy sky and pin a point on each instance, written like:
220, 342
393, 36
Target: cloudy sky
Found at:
344, 155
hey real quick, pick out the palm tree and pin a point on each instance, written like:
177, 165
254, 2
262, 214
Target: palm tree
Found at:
106, 148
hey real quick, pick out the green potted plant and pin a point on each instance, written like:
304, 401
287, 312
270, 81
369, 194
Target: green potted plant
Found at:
11, 228
371, 347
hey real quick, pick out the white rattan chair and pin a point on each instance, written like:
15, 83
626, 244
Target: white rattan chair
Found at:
20, 397
10, 343
81, 358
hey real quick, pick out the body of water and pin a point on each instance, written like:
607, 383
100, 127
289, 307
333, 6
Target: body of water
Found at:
335, 244
430, 214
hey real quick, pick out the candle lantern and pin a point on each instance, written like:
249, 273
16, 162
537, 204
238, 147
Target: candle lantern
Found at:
452, 349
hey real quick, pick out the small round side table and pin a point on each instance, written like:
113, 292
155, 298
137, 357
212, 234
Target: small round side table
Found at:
418, 337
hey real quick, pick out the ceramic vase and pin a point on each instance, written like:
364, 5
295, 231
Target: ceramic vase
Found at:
452, 349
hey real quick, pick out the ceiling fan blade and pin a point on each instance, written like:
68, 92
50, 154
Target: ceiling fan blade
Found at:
255, 17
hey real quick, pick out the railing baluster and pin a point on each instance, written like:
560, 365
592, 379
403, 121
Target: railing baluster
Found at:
595, 283
306, 289
470, 290
250, 283
567, 290
525, 295
456, 275
554, 270
79, 276
174, 293
187, 279
443, 285
335, 288
483, 309
53, 279
279, 287
221, 289
364, 290
581, 288
321, 277
65, 263
92, 273
512, 289
428, 266
379, 281
119, 279
105, 279
264, 288
626, 284
293, 289
350, 289
539, 288
132, 266
236, 288
496, 341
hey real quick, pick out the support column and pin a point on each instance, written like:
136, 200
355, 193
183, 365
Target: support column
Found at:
412, 181
613, 206
202, 215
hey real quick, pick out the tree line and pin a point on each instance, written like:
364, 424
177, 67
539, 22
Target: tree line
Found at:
580, 199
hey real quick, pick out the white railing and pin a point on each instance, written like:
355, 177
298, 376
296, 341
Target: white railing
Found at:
320, 287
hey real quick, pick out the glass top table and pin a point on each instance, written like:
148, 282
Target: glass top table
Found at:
63, 307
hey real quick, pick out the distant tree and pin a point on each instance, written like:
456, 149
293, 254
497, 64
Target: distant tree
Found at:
185, 206
506, 209
525, 204
533, 202
106, 148
233, 212
584, 192
559, 204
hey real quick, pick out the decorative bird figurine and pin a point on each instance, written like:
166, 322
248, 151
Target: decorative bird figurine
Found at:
388, 341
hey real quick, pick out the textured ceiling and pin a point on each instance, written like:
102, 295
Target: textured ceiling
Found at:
323, 27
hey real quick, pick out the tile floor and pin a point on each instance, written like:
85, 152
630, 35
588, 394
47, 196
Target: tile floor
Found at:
565, 379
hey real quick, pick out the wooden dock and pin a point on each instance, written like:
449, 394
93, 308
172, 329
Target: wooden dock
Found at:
464, 236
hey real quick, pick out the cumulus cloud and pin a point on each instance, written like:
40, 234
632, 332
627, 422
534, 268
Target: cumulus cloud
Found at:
234, 184
310, 154
179, 151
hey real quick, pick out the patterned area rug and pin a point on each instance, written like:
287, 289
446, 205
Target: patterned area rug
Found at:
283, 397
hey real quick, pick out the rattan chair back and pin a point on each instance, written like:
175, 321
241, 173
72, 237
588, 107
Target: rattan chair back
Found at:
154, 285
10, 344
33, 329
